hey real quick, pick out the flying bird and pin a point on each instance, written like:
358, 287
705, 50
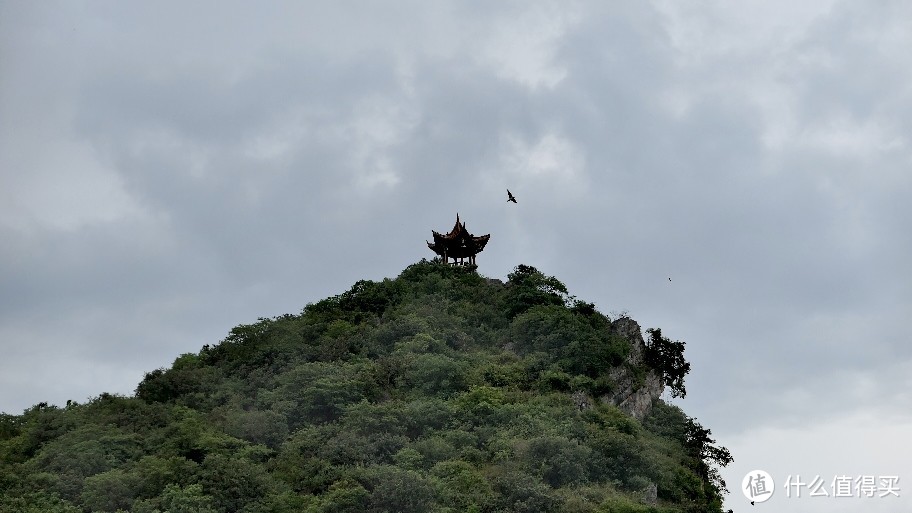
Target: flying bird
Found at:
510, 196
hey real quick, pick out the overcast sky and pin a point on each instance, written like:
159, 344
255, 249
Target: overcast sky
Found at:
169, 170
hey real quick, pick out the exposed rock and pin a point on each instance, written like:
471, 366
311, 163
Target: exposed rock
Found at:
581, 400
635, 399
651, 495
635, 390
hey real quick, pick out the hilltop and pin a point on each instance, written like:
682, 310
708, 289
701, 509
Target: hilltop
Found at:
438, 391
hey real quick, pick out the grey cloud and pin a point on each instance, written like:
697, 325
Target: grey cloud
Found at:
264, 169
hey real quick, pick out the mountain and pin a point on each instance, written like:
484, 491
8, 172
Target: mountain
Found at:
438, 391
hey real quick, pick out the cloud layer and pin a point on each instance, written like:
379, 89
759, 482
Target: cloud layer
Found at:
169, 171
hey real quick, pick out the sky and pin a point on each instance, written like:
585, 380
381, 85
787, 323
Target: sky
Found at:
734, 173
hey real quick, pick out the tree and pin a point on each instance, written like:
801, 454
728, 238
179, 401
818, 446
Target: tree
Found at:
394, 489
461, 486
36, 502
191, 499
667, 358
110, 491
528, 287
701, 447
232, 483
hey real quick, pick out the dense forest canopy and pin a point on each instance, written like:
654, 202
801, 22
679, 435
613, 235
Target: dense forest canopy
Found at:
438, 391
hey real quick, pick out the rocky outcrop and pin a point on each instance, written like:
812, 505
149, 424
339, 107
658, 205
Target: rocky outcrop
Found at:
635, 389
651, 495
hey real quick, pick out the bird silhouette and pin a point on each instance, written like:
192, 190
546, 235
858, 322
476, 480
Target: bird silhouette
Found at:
510, 196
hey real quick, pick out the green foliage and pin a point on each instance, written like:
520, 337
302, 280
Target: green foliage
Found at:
344, 496
36, 502
438, 391
436, 375
9, 426
559, 460
462, 486
529, 287
267, 428
364, 300
111, 490
184, 385
394, 489
232, 483
667, 357
157, 472
175, 499
626, 504
698, 479
518, 492
186, 500
572, 342
318, 392
706, 457
27, 433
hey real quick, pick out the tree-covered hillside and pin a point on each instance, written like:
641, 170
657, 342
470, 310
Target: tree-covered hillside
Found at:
438, 391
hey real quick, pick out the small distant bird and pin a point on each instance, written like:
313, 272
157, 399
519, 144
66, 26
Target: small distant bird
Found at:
510, 196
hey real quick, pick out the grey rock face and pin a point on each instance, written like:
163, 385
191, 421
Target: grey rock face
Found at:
634, 392
581, 400
651, 495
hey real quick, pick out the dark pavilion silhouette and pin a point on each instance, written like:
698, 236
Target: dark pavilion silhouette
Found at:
459, 244
510, 196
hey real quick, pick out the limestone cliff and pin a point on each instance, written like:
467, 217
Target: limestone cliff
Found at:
635, 390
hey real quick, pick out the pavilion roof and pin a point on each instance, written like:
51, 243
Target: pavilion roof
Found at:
459, 243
